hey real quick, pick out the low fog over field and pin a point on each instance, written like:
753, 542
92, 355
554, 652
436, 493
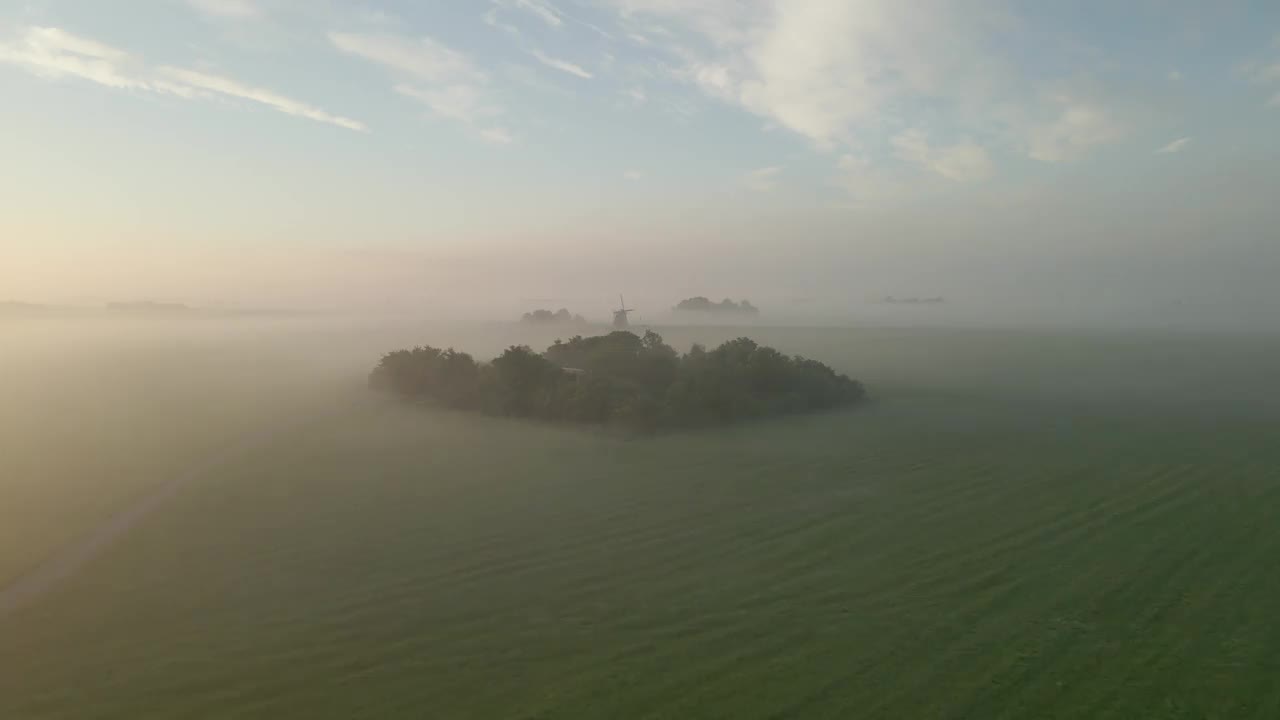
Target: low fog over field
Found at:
927, 359
220, 511
99, 409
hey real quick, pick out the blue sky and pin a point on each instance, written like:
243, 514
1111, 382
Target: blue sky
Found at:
204, 145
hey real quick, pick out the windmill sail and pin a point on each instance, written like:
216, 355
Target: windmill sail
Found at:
620, 315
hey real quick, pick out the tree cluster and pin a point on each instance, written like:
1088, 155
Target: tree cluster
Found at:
620, 379
891, 300
726, 306
546, 317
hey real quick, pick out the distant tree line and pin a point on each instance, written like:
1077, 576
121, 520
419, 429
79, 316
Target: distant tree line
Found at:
891, 300
546, 317
147, 306
726, 306
13, 307
620, 379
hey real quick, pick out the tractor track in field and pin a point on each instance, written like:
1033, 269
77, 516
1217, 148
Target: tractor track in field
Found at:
65, 562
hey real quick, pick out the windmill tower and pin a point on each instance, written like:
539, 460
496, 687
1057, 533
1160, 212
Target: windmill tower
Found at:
620, 320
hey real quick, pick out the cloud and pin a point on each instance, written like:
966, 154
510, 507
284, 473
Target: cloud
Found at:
1175, 76
866, 187
463, 103
492, 20
912, 145
1078, 128
1266, 73
532, 78
1174, 147
827, 70
497, 136
762, 179
548, 13
423, 58
633, 175
52, 40
724, 22
561, 65
55, 53
231, 88
543, 10
851, 76
964, 161
431, 73
231, 9
1260, 73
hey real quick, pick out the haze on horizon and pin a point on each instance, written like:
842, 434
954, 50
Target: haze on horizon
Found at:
1103, 162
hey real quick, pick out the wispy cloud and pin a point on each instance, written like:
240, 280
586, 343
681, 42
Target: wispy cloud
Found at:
561, 65
55, 53
824, 69
463, 103
839, 74
636, 95
1078, 128
439, 77
1264, 73
231, 88
850, 76
553, 15
501, 9
1267, 73
762, 179
497, 136
633, 175
232, 9
423, 58
543, 10
866, 186
1174, 147
492, 19
963, 161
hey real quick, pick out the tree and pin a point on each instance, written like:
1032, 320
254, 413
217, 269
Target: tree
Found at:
701, 304
546, 317
620, 378
458, 380
524, 381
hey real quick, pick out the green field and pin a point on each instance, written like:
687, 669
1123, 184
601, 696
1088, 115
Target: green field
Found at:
1022, 525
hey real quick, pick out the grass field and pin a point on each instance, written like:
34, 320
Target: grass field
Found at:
1023, 525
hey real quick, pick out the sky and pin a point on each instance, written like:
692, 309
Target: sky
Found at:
1074, 160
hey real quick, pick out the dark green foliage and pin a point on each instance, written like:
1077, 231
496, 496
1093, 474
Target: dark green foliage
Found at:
647, 361
726, 306
446, 376
523, 383
623, 379
546, 317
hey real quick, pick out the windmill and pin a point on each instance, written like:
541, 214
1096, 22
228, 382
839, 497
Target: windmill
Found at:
620, 320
